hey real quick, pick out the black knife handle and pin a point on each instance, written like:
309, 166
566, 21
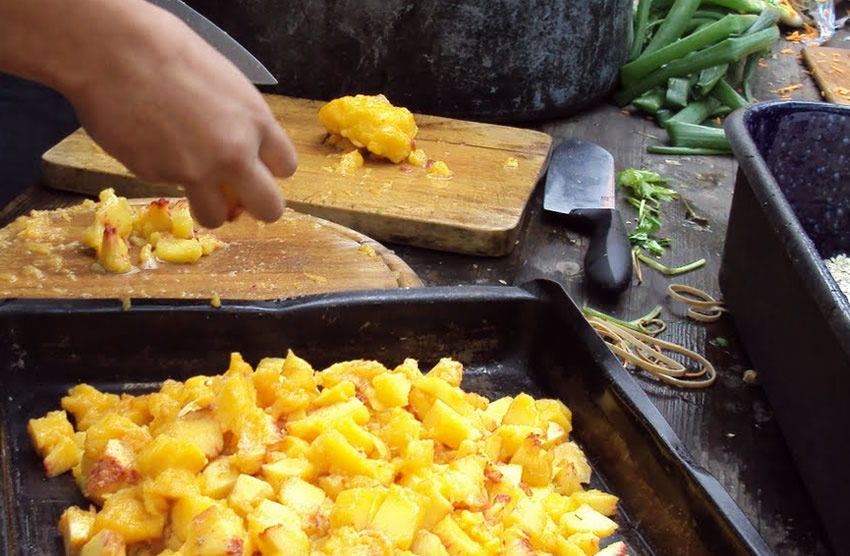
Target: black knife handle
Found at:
608, 262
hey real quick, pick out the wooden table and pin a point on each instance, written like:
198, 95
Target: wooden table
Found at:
729, 428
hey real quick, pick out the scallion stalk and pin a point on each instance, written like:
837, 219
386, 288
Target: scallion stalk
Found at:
678, 89
728, 96
674, 24
709, 77
663, 116
698, 24
721, 111
641, 24
747, 79
664, 149
692, 135
651, 101
709, 14
696, 111
647, 62
726, 51
740, 6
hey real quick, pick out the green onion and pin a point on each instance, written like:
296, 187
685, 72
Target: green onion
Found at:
726, 51
664, 149
721, 111
740, 6
678, 89
651, 101
709, 14
641, 21
692, 135
747, 79
667, 271
698, 24
728, 96
767, 17
663, 116
709, 77
674, 24
696, 112
729, 25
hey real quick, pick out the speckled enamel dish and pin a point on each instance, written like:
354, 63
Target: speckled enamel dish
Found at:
790, 211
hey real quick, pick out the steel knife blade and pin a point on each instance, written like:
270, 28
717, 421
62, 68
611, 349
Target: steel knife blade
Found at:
220, 40
580, 185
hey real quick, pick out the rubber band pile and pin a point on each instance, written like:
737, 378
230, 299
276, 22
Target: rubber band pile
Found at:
634, 342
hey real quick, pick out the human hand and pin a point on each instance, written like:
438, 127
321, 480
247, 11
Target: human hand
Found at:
172, 109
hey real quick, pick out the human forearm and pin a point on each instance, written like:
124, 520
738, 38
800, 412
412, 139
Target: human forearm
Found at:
156, 96
61, 43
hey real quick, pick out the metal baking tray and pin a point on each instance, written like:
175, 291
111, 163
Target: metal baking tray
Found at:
531, 339
790, 210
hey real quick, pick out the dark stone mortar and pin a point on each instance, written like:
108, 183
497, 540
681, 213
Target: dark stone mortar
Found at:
496, 60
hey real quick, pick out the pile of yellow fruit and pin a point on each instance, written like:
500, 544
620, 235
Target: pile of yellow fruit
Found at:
372, 123
163, 231
356, 459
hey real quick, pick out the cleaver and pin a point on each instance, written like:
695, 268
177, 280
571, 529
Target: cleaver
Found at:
580, 185
220, 40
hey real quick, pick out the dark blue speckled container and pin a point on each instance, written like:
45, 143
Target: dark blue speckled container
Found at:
790, 210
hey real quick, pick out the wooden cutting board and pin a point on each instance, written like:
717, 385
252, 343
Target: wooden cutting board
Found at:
297, 255
478, 211
831, 69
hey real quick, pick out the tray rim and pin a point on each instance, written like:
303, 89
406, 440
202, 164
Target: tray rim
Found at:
620, 380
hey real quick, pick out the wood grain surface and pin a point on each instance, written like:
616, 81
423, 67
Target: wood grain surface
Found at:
478, 211
297, 255
831, 69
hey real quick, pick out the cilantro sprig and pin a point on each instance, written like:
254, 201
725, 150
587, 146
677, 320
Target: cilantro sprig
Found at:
644, 234
648, 192
646, 186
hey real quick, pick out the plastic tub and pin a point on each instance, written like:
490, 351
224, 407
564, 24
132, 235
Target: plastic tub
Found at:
790, 211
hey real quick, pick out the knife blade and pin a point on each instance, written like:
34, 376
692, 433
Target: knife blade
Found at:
580, 185
220, 40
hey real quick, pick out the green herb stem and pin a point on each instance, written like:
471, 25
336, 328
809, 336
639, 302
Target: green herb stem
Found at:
667, 271
630, 324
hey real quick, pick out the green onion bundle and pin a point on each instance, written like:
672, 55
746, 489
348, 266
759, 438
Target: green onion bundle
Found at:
688, 62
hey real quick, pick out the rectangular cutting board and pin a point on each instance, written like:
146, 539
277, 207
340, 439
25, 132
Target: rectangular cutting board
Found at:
831, 69
478, 211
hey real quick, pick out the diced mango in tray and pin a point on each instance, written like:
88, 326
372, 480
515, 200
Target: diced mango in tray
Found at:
355, 459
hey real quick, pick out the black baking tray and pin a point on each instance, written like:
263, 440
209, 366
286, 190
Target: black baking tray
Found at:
790, 210
531, 339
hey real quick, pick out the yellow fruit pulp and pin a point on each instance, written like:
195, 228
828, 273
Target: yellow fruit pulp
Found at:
373, 123
355, 459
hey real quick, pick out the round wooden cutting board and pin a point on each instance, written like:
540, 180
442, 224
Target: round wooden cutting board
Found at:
42, 257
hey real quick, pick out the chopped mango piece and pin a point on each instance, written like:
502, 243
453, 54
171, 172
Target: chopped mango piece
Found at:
358, 458
371, 122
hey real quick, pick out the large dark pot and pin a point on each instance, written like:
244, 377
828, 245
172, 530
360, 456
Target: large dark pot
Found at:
498, 60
